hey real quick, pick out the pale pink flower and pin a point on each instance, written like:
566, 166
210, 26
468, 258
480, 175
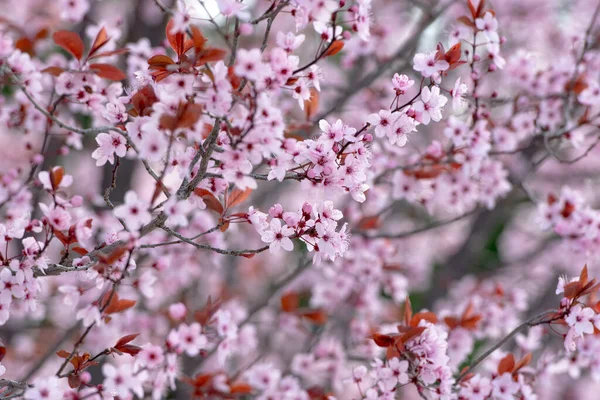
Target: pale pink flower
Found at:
427, 65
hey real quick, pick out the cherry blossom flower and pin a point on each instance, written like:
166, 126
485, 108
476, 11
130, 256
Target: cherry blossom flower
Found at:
191, 338
122, 381
109, 145
278, 236
134, 212
115, 112
427, 65
489, 25
579, 319
73, 10
430, 106
45, 389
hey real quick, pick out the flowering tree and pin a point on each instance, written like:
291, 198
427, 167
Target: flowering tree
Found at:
299, 199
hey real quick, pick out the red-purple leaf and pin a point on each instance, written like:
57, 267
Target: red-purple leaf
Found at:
70, 41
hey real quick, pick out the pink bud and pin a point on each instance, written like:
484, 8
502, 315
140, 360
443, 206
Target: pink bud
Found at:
368, 138
63, 151
476, 57
346, 35
76, 201
38, 159
492, 67
276, 211
246, 29
502, 39
177, 311
85, 377
494, 94
307, 208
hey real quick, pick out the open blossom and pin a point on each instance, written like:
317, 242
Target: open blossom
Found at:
134, 212
249, 64
430, 106
278, 236
401, 127
123, 380
109, 145
504, 387
73, 10
428, 65
45, 389
115, 112
233, 8
181, 18
489, 25
579, 319
190, 338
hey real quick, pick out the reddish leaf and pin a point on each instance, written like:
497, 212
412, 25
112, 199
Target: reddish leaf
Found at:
383, 340
204, 315
2, 352
583, 277
126, 339
506, 364
334, 48
240, 388
572, 289
79, 250
108, 71
522, 363
190, 115
143, 100
472, 9
113, 256
101, 40
159, 61
453, 55
311, 105
451, 322
427, 316
63, 354
70, 41
197, 38
411, 333
210, 55
210, 200
130, 349
118, 305
74, 381
368, 223
56, 176
64, 239
25, 45
290, 302
407, 311
55, 71
318, 317
108, 53
176, 41
467, 21
480, 8
225, 226
238, 196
